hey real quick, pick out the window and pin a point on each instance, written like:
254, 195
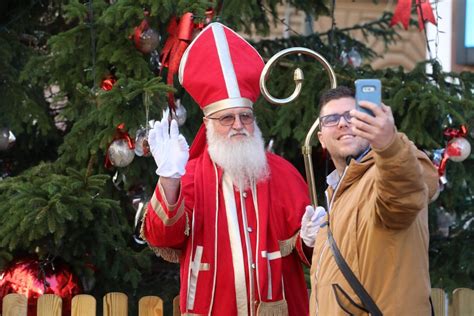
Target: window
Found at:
465, 34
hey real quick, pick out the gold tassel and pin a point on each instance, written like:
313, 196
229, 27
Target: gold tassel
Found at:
287, 246
278, 308
186, 228
168, 254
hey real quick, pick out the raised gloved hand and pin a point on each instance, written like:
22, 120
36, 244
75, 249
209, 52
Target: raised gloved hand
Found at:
310, 223
169, 148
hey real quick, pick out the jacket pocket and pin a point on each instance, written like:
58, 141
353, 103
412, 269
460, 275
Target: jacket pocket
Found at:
346, 303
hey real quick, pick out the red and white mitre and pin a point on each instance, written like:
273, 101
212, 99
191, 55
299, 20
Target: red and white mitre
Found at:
221, 70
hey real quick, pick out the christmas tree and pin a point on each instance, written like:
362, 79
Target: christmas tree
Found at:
80, 81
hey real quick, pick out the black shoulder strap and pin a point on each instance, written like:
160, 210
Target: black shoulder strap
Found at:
355, 284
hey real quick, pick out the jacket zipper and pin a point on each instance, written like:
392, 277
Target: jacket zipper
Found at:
322, 252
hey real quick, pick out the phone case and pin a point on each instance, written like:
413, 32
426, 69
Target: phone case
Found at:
368, 90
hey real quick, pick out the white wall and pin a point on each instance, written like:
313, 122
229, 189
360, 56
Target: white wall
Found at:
444, 34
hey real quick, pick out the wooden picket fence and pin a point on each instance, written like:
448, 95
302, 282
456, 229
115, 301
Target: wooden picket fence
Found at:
116, 304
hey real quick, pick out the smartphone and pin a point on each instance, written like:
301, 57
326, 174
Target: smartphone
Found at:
368, 90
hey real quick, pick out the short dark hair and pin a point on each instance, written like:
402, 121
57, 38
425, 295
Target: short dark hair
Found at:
334, 94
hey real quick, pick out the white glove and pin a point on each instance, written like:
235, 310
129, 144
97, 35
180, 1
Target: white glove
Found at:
169, 148
310, 224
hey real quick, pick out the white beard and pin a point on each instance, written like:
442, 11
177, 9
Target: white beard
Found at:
245, 161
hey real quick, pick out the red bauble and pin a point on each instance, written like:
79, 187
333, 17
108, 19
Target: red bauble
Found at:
33, 278
108, 83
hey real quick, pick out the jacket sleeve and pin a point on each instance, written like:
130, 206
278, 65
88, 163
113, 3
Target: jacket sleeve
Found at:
405, 181
166, 227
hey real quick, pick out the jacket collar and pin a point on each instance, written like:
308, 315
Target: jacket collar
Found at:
354, 171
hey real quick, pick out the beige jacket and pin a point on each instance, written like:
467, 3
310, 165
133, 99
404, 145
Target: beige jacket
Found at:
379, 219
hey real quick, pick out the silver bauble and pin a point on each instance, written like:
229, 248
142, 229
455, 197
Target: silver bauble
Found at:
141, 139
180, 113
149, 40
120, 154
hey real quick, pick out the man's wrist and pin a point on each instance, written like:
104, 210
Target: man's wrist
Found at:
170, 187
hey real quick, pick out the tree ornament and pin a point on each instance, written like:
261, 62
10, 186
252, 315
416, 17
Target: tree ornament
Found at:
148, 42
343, 57
180, 33
458, 149
270, 146
7, 139
108, 83
120, 152
141, 143
444, 221
139, 204
355, 60
437, 156
139, 200
447, 122
146, 38
180, 113
155, 63
403, 12
351, 57
119, 180
32, 278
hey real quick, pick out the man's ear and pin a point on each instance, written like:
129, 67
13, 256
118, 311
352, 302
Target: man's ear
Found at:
320, 137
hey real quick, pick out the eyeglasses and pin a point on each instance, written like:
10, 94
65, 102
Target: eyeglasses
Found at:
227, 120
333, 119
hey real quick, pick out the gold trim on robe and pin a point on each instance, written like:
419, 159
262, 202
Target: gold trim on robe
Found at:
287, 245
168, 254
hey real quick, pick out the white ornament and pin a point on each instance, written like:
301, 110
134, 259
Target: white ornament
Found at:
180, 114
120, 154
458, 149
141, 143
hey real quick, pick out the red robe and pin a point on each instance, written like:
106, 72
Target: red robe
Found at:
264, 245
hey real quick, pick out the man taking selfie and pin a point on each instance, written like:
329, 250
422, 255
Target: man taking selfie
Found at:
377, 203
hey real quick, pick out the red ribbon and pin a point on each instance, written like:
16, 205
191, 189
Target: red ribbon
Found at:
450, 133
403, 11
138, 32
180, 35
120, 133
140, 29
442, 164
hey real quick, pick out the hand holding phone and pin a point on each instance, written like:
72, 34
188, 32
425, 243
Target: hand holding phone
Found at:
368, 90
